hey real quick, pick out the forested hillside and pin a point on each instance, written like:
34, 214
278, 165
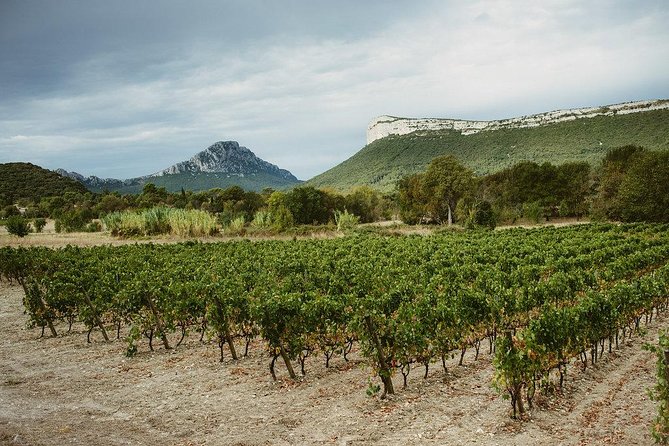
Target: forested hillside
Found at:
384, 162
27, 181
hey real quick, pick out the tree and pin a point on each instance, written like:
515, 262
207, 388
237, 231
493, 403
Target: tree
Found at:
644, 190
484, 215
308, 205
17, 225
9, 211
410, 199
364, 202
444, 183
39, 224
614, 167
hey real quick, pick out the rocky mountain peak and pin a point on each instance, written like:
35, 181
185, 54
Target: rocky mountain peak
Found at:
226, 157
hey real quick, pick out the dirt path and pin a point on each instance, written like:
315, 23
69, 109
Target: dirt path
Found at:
63, 391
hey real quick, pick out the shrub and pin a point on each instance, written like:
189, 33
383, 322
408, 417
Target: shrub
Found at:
236, 226
262, 220
93, 226
184, 223
345, 221
282, 218
9, 211
533, 211
39, 224
484, 215
72, 221
17, 225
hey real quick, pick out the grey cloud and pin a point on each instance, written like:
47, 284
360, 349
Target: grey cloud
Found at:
117, 91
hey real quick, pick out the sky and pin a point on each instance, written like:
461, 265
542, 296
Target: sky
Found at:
126, 88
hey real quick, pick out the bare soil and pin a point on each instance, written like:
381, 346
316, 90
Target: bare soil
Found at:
62, 391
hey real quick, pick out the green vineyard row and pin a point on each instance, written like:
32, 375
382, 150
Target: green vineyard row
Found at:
541, 297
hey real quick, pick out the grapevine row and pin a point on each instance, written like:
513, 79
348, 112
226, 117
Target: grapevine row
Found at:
406, 300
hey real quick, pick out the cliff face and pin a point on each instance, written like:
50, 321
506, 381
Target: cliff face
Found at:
389, 125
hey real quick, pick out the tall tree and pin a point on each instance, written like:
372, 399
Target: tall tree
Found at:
410, 199
644, 190
444, 183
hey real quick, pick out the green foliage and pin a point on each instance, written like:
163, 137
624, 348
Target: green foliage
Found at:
73, 221
644, 189
484, 216
308, 205
547, 295
25, 180
444, 183
94, 226
262, 220
411, 199
236, 226
345, 221
39, 224
18, 226
161, 220
384, 162
368, 204
9, 211
533, 211
660, 393
282, 218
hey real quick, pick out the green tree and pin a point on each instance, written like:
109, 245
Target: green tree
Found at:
364, 202
17, 225
308, 205
611, 174
484, 215
39, 224
410, 199
446, 181
644, 190
9, 211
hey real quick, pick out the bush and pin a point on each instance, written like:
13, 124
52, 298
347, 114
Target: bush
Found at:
262, 220
17, 225
184, 223
93, 226
484, 215
39, 224
345, 221
282, 218
9, 211
236, 226
533, 211
72, 221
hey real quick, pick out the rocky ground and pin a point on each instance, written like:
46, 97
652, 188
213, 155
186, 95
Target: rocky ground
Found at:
60, 391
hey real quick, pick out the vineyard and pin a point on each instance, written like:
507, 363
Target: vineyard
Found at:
541, 301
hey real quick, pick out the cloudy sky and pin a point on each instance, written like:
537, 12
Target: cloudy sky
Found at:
128, 87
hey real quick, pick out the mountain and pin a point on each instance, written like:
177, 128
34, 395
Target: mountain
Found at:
222, 164
25, 180
401, 146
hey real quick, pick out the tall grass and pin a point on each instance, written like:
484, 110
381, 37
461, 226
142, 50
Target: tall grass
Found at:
345, 221
161, 220
262, 220
236, 226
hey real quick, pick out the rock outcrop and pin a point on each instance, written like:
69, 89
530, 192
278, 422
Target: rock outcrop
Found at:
226, 157
389, 125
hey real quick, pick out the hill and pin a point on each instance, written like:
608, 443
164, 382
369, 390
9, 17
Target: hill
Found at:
222, 164
28, 181
490, 146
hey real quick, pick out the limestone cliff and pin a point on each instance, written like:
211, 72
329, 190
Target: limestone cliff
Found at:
389, 125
